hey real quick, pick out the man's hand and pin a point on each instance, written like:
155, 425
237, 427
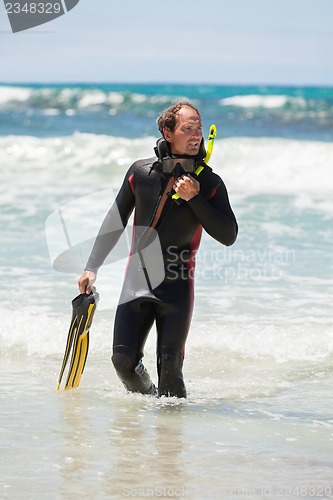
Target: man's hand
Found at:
86, 281
186, 187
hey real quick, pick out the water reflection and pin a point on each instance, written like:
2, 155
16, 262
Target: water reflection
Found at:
148, 441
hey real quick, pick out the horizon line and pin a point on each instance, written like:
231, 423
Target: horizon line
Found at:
175, 83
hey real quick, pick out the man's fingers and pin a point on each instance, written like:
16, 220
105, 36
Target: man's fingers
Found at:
83, 283
86, 281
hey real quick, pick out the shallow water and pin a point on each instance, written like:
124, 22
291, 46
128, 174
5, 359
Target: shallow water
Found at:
98, 442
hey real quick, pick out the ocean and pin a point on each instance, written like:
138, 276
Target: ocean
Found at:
258, 420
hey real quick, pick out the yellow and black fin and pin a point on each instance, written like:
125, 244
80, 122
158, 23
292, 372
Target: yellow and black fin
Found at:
84, 307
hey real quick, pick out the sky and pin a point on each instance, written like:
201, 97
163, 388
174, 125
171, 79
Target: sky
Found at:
177, 41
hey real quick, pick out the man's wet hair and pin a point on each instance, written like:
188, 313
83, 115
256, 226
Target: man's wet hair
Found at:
168, 117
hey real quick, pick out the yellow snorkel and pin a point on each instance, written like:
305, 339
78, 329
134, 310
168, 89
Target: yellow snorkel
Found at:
199, 169
211, 137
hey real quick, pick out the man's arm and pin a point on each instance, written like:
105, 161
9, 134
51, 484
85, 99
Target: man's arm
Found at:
216, 215
109, 234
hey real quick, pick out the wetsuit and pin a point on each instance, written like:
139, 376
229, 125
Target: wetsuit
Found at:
158, 283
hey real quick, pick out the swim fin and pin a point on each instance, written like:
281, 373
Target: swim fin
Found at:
84, 307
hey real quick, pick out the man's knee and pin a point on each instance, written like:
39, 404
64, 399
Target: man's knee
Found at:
170, 362
132, 372
124, 362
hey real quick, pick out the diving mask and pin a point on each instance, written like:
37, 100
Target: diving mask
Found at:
178, 166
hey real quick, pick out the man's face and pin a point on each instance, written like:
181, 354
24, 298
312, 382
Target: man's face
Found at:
186, 138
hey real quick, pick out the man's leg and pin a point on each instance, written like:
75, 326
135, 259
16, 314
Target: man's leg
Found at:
132, 324
172, 322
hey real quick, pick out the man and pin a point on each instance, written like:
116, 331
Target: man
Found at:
203, 203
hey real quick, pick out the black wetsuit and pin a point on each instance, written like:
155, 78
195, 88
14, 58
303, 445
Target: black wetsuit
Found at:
158, 284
